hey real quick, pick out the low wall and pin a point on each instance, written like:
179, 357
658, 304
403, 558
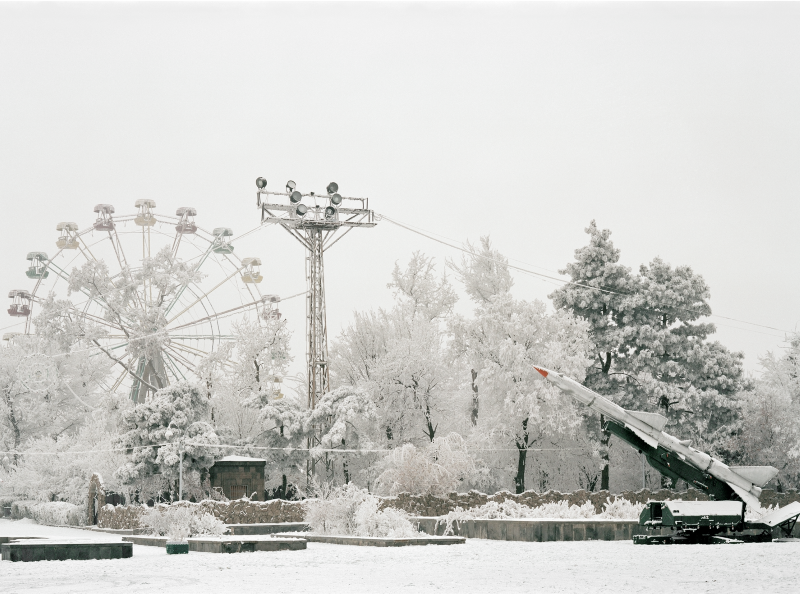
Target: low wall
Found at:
430, 505
537, 530
243, 511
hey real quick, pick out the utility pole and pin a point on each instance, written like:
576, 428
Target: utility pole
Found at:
315, 221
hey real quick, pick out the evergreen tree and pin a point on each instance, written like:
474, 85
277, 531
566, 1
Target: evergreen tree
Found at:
651, 352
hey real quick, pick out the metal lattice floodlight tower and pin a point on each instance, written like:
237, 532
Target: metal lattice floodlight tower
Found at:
315, 224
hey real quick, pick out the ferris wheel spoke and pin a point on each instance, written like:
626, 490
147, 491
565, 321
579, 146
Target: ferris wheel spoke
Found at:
189, 349
179, 357
172, 367
123, 364
113, 236
121, 377
184, 286
217, 315
205, 295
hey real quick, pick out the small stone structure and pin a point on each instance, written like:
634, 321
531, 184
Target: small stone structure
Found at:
239, 476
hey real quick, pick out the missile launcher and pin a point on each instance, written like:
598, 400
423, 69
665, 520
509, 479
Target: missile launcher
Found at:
730, 488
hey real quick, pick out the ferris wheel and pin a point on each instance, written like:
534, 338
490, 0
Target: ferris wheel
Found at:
160, 292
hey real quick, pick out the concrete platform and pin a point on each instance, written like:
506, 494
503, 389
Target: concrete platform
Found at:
245, 545
5, 539
226, 544
538, 530
371, 541
63, 550
147, 541
251, 529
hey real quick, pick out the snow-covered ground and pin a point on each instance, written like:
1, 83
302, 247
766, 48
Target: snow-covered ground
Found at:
482, 566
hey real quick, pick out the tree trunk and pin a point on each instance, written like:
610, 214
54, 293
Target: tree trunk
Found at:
344, 466
605, 438
522, 448
12, 418
431, 429
474, 415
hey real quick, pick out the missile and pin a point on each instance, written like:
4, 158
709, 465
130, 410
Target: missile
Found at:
744, 480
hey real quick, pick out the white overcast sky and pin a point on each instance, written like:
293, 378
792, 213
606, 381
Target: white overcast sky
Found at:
677, 126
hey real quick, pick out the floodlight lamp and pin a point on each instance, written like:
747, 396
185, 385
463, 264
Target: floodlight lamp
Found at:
302, 209
295, 197
336, 199
261, 183
290, 186
330, 212
333, 187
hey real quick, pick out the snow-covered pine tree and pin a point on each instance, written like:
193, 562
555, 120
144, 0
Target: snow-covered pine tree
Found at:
650, 350
174, 423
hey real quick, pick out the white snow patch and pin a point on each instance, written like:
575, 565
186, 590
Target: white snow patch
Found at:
479, 566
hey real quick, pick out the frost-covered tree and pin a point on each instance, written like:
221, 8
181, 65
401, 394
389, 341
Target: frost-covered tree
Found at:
59, 468
398, 357
343, 419
484, 273
171, 425
253, 406
506, 338
138, 318
45, 389
769, 431
244, 376
650, 349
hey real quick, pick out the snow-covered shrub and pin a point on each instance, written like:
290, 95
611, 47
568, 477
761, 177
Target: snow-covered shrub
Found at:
207, 524
351, 511
621, 509
179, 522
437, 469
57, 513
387, 523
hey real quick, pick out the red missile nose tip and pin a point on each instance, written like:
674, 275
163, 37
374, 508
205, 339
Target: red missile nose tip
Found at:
542, 371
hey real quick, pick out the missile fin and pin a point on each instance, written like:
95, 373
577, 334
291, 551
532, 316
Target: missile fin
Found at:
654, 419
758, 475
652, 442
746, 496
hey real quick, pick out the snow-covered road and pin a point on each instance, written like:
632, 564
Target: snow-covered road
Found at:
478, 566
